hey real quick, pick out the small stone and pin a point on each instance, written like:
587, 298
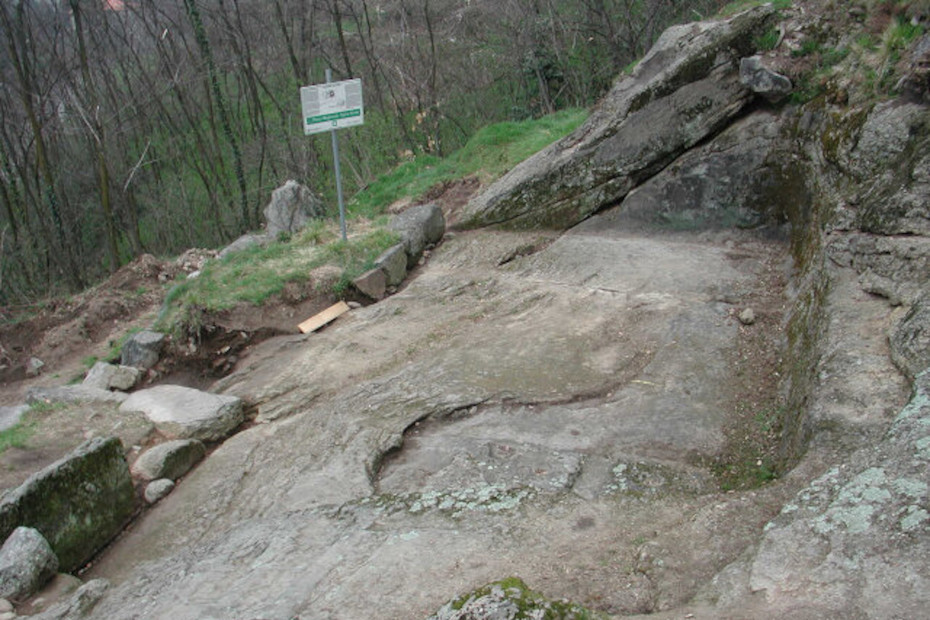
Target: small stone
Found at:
5, 605
7, 615
34, 367
354, 305
171, 459
158, 489
747, 316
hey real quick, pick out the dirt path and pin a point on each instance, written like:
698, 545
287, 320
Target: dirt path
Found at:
529, 405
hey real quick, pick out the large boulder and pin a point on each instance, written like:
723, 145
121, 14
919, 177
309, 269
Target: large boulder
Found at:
419, 227
185, 413
685, 90
106, 376
78, 503
171, 459
292, 206
142, 349
26, 563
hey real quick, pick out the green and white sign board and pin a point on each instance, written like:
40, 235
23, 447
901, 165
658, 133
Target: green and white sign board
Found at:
331, 106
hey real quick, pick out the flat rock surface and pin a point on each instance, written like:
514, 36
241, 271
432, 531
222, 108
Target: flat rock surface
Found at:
541, 413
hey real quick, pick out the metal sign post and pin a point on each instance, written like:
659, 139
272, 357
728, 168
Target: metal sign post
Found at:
328, 107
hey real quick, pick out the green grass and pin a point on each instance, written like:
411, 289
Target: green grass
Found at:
256, 274
490, 152
18, 436
768, 41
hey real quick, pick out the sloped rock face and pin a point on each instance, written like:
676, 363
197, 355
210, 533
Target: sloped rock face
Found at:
687, 88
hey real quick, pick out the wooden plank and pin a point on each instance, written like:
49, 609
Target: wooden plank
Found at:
317, 321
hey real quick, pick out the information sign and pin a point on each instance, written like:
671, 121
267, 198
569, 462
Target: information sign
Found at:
331, 106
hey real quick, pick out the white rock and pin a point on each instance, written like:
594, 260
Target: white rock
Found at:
158, 489
27, 562
185, 413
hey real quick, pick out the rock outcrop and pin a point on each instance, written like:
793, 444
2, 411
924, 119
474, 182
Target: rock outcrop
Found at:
686, 89
78, 503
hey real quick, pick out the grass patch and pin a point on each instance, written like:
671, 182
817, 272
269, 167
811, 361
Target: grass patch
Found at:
768, 41
490, 152
16, 436
260, 272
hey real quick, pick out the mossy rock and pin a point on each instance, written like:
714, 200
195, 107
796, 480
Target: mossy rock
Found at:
78, 503
511, 599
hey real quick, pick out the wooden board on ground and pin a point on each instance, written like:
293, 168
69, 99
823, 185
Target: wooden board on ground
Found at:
317, 321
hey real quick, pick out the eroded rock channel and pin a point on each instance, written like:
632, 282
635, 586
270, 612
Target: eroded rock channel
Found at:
557, 409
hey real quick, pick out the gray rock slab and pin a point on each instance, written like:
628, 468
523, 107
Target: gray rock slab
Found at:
142, 349
72, 394
185, 413
10, 416
372, 283
106, 376
171, 459
292, 206
26, 563
684, 90
157, 490
394, 263
567, 366
78, 503
419, 227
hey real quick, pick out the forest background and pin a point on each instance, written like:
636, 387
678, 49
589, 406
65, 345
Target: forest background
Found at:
133, 126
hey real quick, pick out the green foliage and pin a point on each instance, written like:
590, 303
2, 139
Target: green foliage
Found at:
899, 35
767, 41
17, 436
490, 152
